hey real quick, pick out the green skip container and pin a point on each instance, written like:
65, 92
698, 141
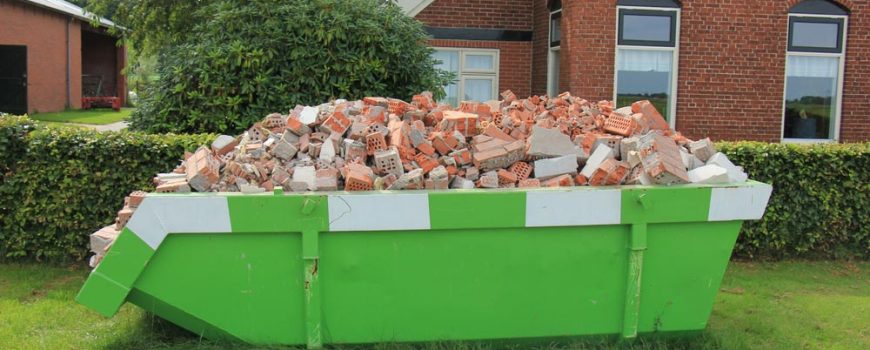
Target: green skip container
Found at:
377, 267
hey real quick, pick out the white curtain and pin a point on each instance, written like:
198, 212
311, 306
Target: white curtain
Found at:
480, 62
812, 66
449, 62
644, 60
478, 90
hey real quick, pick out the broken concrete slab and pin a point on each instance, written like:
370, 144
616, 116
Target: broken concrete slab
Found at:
552, 167
549, 143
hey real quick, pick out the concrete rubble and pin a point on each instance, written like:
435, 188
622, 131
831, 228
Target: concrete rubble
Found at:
387, 144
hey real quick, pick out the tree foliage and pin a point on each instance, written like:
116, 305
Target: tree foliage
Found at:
150, 25
250, 58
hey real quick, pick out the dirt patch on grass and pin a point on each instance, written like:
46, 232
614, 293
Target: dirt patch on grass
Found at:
42, 291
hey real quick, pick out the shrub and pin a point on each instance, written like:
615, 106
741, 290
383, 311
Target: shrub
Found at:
820, 207
69, 182
252, 58
13, 130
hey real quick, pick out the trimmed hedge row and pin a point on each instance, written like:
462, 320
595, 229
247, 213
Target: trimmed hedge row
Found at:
59, 185
820, 207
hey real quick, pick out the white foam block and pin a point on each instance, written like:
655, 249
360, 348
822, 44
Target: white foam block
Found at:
735, 173
601, 153
308, 115
709, 174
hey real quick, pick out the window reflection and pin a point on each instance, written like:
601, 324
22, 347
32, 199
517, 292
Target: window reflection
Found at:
646, 28
644, 75
808, 34
810, 98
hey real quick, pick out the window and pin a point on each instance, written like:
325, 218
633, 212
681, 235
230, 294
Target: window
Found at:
646, 54
555, 42
814, 71
476, 74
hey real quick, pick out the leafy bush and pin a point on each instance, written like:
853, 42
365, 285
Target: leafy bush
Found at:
251, 58
69, 182
820, 207
61, 184
13, 130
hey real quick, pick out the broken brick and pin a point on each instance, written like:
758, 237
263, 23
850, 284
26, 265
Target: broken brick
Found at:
522, 170
202, 170
465, 123
651, 115
375, 142
358, 181
620, 125
559, 181
389, 162
506, 177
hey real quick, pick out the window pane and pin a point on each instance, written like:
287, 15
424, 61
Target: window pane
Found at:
555, 28
808, 34
478, 90
810, 96
646, 28
449, 60
644, 75
452, 97
480, 62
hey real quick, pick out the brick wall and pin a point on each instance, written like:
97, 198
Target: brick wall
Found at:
731, 64
540, 35
588, 48
44, 34
514, 61
732, 70
855, 125
489, 14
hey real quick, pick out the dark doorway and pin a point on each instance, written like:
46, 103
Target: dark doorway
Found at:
13, 79
99, 65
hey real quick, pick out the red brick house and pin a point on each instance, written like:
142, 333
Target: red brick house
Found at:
51, 56
768, 70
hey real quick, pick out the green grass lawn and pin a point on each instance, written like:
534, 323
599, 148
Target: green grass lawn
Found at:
98, 116
790, 305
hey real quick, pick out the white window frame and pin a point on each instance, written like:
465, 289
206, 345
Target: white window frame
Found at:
671, 113
474, 73
838, 103
552, 81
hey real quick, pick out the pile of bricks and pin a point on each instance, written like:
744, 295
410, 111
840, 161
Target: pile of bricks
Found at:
388, 144
103, 239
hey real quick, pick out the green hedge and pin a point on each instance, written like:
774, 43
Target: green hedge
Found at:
61, 184
820, 207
